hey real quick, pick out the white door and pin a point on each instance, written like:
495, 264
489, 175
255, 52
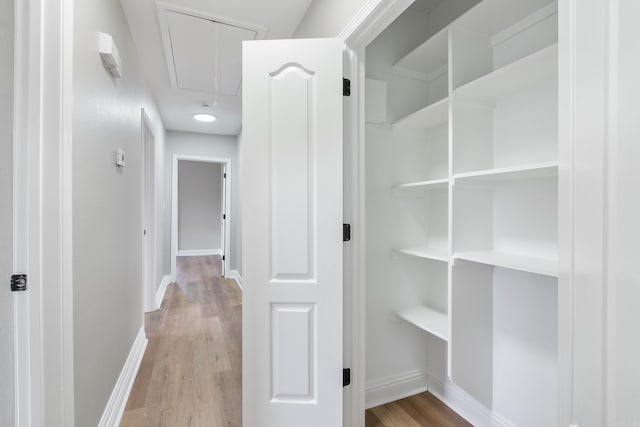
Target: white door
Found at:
292, 233
7, 366
224, 219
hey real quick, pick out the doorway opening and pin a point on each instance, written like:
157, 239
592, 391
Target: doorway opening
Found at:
201, 190
149, 245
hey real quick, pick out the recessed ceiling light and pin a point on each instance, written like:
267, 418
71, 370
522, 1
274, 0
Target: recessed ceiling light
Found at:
204, 117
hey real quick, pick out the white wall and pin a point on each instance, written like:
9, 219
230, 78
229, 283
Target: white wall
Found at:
624, 317
236, 206
223, 146
107, 205
199, 205
326, 18
6, 220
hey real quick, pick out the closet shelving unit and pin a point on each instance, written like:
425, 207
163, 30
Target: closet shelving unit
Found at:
494, 118
428, 130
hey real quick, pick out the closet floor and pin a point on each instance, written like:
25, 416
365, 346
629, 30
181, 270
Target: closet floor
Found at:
190, 374
421, 410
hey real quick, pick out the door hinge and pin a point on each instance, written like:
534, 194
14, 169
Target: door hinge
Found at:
346, 232
224, 175
346, 87
346, 377
224, 216
223, 257
144, 232
19, 282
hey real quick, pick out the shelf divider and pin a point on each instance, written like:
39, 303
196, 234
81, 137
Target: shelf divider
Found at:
428, 60
524, 72
426, 252
427, 319
528, 264
511, 173
433, 184
429, 117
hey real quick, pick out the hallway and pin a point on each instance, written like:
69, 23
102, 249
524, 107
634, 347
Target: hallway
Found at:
191, 371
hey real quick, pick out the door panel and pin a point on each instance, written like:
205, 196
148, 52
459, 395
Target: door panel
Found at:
292, 233
6, 215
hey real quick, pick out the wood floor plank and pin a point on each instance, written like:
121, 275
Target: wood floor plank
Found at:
423, 410
191, 374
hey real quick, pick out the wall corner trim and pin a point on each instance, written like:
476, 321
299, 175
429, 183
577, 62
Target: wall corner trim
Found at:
120, 395
372, 18
235, 275
162, 289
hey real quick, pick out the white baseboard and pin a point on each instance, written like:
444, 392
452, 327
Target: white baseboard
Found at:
465, 405
114, 410
397, 387
234, 274
199, 252
162, 289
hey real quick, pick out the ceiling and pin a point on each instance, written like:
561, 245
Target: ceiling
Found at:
191, 53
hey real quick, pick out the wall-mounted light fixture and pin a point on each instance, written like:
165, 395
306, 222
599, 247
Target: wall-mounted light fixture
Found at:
109, 54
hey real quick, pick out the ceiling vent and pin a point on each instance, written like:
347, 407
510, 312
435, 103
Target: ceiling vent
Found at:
203, 52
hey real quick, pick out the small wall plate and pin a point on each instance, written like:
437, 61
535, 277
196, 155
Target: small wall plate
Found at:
120, 157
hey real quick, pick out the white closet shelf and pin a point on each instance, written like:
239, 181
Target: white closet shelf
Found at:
429, 117
529, 264
427, 319
518, 75
427, 252
433, 184
427, 61
512, 173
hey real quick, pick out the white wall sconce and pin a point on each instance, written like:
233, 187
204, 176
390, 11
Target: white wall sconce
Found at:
110, 56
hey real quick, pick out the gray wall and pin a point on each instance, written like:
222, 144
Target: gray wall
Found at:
223, 146
199, 205
107, 205
6, 214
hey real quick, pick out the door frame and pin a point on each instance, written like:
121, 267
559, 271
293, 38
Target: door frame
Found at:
149, 216
42, 212
372, 19
174, 206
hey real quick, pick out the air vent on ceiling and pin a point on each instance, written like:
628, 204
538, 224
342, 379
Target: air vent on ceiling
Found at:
200, 48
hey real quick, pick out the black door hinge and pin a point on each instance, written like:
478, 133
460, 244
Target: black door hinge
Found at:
225, 175
223, 257
19, 282
346, 87
224, 216
346, 232
346, 377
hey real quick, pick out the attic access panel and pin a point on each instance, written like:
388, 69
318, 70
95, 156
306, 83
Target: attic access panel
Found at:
199, 49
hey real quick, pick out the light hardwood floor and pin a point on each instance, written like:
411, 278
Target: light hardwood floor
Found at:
191, 371
421, 410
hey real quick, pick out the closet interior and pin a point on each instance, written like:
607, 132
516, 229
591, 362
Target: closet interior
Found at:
461, 159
